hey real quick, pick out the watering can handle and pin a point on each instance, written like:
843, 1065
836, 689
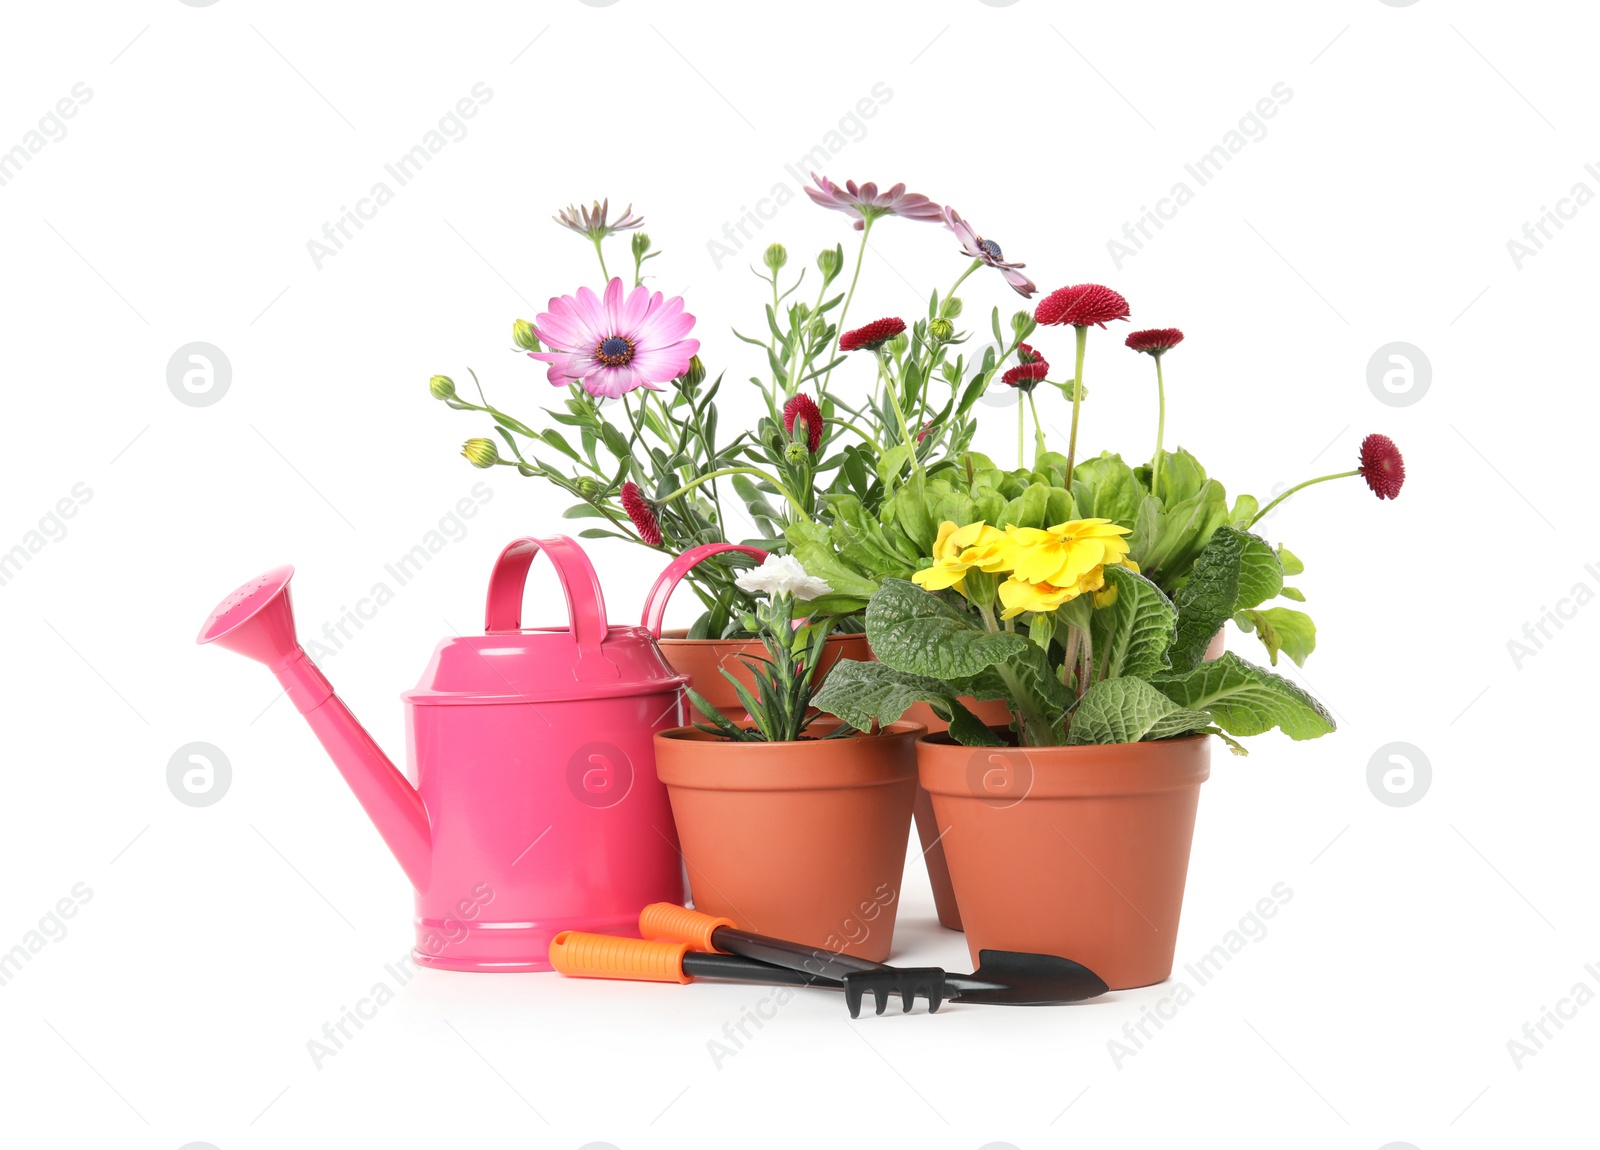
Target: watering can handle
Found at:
655, 603
586, 605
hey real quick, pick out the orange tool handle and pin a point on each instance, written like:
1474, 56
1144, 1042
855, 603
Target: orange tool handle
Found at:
580, 955
669, 922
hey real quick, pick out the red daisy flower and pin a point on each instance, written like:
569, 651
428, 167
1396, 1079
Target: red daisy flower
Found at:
642, 514
1082, 305
1381, 466
1027, 354
1155, 340
802, 409
927, 429
873, 336
1025, 375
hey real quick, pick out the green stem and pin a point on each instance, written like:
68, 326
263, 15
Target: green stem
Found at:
1030, 719
1161, 429
900, 417
756, 471
861, 258
1022, 418
1038, 432
974, 266
602, 256
1077, 400
1320, 479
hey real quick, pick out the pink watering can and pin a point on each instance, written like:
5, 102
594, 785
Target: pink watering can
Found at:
536, 807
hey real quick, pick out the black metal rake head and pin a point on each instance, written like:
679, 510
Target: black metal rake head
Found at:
906, 981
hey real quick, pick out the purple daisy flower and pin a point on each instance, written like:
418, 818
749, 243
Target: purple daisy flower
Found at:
593, 224
978, 248
866, 203
617, 344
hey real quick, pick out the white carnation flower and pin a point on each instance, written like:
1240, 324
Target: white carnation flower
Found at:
782, 575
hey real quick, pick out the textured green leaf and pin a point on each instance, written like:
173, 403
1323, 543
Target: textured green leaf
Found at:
1244, 512
1026, 510
1260, 573
1106, 488
1130, 711
1287, 630
1246, 700
1131, 635
913, 630
1185, 530
812, 544
1291, 562
1234, 566
1182, 477
861, 693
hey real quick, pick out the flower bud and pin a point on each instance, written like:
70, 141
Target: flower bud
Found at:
522, 334
480, 452
695, 376
641, 245
897, 346
587, 488
941, 330
829, 262
442, 387
1022, 323
775, 257
951, 307
796, 454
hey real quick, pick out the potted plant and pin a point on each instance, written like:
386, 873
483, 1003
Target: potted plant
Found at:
792, 824
1067, 831
637, 444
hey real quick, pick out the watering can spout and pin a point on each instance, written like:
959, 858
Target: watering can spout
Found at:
257, 621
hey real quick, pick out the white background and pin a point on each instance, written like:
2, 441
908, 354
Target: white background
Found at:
1377, 208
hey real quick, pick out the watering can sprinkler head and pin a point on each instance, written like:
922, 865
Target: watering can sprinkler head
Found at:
257, 620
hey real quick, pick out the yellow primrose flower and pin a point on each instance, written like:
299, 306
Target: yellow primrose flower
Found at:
1018, 595
957, 550
1063, 554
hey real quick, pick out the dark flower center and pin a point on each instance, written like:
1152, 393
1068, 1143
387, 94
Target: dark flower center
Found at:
614, 351
990, 249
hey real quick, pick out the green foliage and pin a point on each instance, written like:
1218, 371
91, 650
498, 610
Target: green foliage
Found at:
1130, 711
1247, 700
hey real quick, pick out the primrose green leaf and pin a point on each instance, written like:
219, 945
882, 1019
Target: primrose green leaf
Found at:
1132, 634
1106, 488
1287, 630
1234, 568
1246, 700
915, 631
863, 693
1130, 711
1182, 477
1244, 512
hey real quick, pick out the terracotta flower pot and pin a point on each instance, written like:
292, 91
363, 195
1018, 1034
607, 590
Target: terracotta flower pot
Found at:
995, 714
703, 659
1076, 851
803, 840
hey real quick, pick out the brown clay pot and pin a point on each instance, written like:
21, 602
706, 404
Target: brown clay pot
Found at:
995, 714
703, 659
802, 840
1076, 851
1216, 647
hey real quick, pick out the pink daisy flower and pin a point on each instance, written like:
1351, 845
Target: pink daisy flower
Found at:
865, 202
976, 247
617, 344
